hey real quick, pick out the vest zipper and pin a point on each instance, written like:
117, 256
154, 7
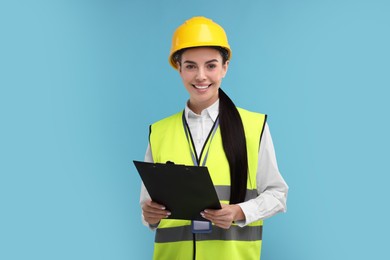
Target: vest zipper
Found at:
194, 245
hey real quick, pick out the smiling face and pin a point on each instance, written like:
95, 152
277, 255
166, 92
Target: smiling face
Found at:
202, 71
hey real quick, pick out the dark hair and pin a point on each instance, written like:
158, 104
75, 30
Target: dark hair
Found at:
234, 145
233, 136
176, 57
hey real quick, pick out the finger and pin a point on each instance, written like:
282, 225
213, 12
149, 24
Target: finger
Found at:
211, 218
153, 218
153, 211
219, 222
223, 225
224, 218
212, 212
216, 213
205, 216
155, 205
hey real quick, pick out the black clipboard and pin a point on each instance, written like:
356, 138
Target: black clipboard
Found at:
184, 190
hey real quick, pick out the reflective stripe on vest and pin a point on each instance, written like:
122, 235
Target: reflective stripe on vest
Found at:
184, 233
223, 193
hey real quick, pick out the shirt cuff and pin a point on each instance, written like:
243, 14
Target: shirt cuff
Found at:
246, 207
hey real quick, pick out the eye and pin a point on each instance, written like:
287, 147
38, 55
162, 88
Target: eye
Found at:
190, 66
211, 66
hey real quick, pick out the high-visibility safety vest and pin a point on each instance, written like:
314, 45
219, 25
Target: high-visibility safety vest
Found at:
174, 238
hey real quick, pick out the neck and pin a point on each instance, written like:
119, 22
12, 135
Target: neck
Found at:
197, 107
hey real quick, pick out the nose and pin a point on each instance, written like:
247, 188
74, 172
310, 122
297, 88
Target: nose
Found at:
200, 76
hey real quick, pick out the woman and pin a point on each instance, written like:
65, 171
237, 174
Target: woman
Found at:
233, 143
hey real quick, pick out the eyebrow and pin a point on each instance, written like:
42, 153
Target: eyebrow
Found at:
193, 62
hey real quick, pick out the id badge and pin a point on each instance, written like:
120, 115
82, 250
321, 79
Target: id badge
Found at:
201, 226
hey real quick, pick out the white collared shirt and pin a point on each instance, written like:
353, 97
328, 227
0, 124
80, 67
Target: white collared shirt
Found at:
271, 187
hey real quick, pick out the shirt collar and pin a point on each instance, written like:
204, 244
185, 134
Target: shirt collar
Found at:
211, 112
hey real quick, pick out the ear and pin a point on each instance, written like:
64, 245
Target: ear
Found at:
225, 68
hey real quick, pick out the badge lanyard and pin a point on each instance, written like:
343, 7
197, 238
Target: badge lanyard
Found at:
200, 226
191, 145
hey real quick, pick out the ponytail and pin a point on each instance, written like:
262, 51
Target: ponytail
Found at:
234, 145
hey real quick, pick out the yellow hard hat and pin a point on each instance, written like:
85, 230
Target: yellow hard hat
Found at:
196, 32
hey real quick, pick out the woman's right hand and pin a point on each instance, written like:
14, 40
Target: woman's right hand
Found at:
154, 212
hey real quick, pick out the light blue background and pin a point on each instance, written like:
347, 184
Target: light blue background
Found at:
80, 82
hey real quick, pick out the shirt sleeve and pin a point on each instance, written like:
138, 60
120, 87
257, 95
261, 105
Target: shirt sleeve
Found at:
271, 187
144, 196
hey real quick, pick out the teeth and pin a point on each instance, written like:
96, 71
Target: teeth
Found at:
201, 87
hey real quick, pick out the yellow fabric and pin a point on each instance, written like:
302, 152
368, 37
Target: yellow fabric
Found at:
228, 250
169, 143
174, 251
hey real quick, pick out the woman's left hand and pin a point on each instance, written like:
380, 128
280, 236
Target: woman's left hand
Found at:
224, 217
